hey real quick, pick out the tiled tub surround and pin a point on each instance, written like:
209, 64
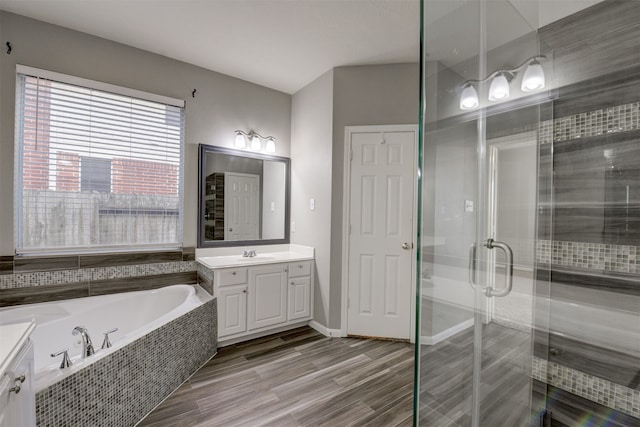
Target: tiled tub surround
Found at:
25, 280
126, 382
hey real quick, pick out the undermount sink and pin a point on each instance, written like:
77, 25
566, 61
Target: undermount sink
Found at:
257, 258
231, 260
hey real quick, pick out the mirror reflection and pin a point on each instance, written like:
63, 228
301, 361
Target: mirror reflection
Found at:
244, 198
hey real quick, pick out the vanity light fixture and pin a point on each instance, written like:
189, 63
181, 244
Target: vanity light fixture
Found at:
256, 144
499, 89
241, 142
255, 141
533, 78
469, 97
271, 145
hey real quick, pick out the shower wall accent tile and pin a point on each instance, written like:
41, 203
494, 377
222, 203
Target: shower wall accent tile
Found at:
599, 390
621, 118
123, 387
592, 256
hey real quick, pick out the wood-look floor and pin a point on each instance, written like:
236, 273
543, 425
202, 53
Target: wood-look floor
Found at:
301, 378
446, 380
297, 378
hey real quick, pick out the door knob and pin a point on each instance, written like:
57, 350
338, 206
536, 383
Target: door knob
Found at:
407, 245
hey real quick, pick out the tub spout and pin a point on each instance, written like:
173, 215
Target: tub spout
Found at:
87, 345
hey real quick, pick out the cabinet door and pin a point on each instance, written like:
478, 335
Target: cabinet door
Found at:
299, 298
19, 409
232, 310
267, 296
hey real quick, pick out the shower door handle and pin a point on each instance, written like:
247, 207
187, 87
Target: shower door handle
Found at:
472, 265
492, 292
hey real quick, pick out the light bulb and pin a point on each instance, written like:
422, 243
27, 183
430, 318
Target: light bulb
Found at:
256, 145
271, 146
499, 88
240, 141
533, 78
469, 98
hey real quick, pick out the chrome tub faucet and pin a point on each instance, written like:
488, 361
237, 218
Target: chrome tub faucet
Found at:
87, 345
249, 254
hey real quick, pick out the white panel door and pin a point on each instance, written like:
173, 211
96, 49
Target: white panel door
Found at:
241, 208
382, 192
267, 296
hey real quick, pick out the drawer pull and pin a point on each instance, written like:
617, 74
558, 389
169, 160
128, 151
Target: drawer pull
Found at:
233, 272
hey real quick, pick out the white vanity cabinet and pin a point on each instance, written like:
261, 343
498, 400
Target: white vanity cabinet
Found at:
17, 402
259, 298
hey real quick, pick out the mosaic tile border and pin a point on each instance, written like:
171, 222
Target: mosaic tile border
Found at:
593, 256
122, 388
63, 277
205, 277
621, 118
606, 393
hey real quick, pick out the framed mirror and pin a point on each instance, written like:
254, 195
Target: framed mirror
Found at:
244, 198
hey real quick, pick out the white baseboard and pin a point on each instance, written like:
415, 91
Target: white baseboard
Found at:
331, 333
427, 340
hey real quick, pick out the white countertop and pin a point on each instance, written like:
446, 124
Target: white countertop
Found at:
12, 338
228, 261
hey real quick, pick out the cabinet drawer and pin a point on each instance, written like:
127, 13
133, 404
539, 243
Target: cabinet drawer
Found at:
231, 276
300, 268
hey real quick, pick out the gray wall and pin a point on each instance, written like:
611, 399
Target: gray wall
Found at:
364, 95
222, 103
311, 177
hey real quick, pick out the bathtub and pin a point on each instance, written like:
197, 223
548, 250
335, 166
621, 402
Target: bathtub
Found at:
163, 336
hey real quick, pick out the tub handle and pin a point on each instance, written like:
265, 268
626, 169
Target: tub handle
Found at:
106, 343
66, 362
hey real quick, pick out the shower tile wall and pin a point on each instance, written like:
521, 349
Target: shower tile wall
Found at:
589, 218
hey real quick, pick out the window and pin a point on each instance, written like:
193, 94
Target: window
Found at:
98, 167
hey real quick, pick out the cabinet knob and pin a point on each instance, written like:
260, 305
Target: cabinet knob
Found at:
292, 283
299, 265
234, 273
244, 291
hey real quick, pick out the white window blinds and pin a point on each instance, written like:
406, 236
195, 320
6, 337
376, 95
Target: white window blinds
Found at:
95, 169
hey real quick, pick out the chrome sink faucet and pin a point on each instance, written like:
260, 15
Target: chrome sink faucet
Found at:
87, 345
249, 254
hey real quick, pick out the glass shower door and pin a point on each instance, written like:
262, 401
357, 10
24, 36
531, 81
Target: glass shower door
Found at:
481, 293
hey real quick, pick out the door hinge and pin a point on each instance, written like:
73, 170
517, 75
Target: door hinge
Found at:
351, 155
349, 228
348, 302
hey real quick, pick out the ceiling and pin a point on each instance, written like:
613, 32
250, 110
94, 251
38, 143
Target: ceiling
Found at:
281, 44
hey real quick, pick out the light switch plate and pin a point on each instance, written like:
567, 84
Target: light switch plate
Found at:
468, 205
